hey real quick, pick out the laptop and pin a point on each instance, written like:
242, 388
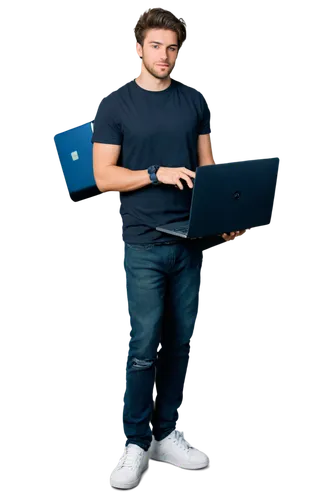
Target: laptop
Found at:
228, 197
74, 148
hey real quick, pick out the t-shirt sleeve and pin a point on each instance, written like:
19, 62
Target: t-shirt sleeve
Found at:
106, 126
204, 124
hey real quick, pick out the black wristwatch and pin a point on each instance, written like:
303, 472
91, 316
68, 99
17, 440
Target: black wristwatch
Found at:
152, 171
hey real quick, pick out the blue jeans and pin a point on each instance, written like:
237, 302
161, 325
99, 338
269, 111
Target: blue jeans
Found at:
162, 284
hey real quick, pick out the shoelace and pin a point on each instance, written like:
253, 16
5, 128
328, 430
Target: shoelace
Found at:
129, 458
180, 441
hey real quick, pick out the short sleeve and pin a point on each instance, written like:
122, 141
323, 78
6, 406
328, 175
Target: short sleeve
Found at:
106, 126
204, 124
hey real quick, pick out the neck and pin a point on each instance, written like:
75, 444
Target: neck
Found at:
149, 82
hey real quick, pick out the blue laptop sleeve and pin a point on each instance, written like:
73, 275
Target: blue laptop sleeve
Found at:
74, 148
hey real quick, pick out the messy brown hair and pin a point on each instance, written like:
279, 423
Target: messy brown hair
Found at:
159, 19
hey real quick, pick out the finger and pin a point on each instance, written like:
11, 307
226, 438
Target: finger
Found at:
188, 172
180, 185
187, 179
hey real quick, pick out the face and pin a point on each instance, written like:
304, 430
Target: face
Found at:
153, 54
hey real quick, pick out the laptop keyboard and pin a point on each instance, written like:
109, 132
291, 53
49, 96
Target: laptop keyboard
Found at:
182, 229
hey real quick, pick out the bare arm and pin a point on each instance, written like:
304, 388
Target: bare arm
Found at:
205, 154
109, 176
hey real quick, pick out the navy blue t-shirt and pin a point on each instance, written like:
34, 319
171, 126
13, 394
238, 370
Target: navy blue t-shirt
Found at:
153, 128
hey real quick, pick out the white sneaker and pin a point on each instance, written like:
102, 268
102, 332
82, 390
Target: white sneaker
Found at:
175, 450
133, 463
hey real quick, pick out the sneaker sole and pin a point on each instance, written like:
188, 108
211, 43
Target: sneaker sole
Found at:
206, 467
131, 488
125, 486
183, 466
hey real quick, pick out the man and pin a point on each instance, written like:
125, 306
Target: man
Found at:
149, 136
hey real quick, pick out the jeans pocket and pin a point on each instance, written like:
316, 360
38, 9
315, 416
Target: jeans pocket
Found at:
195, 258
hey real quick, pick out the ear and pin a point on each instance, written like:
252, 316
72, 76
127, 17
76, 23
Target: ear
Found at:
139, 49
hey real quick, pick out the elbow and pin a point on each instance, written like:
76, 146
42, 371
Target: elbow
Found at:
100, 185
99, 182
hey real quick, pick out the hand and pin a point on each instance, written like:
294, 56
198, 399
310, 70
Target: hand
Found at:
233, 234
172, 175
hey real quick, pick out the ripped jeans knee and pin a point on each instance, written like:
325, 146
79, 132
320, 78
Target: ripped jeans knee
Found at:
141, 364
